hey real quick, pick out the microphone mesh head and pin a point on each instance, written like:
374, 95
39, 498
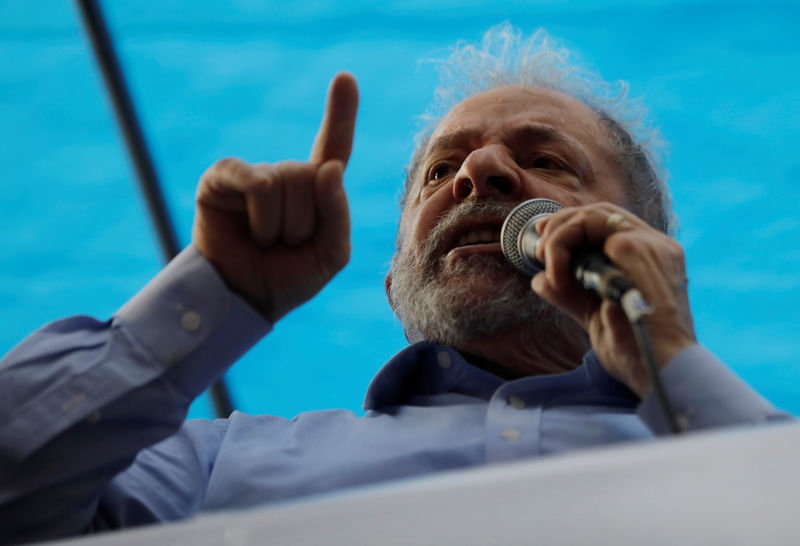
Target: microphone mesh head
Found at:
513, 225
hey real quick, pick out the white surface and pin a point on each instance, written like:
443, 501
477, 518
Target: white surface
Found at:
733, 487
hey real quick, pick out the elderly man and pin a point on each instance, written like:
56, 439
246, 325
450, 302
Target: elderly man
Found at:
92, 429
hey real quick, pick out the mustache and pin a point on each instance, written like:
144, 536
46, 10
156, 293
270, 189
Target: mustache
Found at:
451, 218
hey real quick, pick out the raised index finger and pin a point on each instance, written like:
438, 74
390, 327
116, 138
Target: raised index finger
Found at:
335, 137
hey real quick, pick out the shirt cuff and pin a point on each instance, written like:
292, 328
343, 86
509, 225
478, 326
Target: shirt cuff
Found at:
187, 315
704, 393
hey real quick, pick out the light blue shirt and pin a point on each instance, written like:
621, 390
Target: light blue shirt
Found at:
92, 433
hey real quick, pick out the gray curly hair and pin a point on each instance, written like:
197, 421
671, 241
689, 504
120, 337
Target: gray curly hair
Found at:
505, 57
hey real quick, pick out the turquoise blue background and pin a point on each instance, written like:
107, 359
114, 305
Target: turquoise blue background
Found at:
248, 79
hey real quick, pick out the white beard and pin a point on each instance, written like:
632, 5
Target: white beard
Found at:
454, 304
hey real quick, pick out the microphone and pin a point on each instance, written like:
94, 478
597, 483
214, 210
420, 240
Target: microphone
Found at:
590, 267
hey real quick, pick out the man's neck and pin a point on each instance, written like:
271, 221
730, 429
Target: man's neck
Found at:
492, 367
523, 352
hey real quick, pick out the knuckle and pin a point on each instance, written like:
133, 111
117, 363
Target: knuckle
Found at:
262, 179
295, 170
669, 251
581, 215
550, 251
226, 171
344, 256
291, 164
334, 259
260, 185
675, 251
227, 164
621, 243
342, 261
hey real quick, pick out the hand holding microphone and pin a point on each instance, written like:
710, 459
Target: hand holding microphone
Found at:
591, 268
592, 246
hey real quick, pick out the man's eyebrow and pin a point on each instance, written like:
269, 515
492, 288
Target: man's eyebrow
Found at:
456, 139
528, 132
541, 133
531, 133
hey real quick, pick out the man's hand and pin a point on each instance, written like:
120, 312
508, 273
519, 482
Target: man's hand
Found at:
278, 233
650, 260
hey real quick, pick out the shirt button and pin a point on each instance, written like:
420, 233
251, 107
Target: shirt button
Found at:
516, 402
74, 401
191, 321
510, 434
444, 359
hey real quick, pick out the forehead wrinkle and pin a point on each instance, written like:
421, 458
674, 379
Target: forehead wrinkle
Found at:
459, 138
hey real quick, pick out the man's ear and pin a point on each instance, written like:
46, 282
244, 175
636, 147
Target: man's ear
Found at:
387, 285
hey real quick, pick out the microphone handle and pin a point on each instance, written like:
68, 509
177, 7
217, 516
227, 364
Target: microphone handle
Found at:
596, 274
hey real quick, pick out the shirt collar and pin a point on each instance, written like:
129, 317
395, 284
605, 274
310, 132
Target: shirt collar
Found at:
426, 368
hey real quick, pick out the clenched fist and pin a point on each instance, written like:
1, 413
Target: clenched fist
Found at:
277, 233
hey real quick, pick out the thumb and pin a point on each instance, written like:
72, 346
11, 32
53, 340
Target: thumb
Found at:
333, 213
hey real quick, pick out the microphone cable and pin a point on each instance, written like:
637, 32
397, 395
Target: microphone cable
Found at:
635, 308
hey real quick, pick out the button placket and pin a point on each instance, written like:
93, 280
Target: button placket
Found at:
512, 427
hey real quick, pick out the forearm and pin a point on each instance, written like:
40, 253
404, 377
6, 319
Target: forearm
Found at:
705, 394
81, 398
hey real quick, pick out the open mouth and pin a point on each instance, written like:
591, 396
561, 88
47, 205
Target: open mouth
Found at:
478, 237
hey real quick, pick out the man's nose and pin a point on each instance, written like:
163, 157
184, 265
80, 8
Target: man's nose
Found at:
487, 172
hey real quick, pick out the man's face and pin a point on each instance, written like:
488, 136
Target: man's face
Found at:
449, 281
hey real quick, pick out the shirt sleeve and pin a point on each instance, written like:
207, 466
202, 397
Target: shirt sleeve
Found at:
704, 393
80, 398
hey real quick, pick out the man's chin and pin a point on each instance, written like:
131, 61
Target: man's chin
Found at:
453, 301
485, 279
478, 304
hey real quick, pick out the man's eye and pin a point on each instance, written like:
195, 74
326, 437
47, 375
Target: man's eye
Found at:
545, 162
440, 171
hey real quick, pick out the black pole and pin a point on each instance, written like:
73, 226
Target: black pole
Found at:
137, 148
